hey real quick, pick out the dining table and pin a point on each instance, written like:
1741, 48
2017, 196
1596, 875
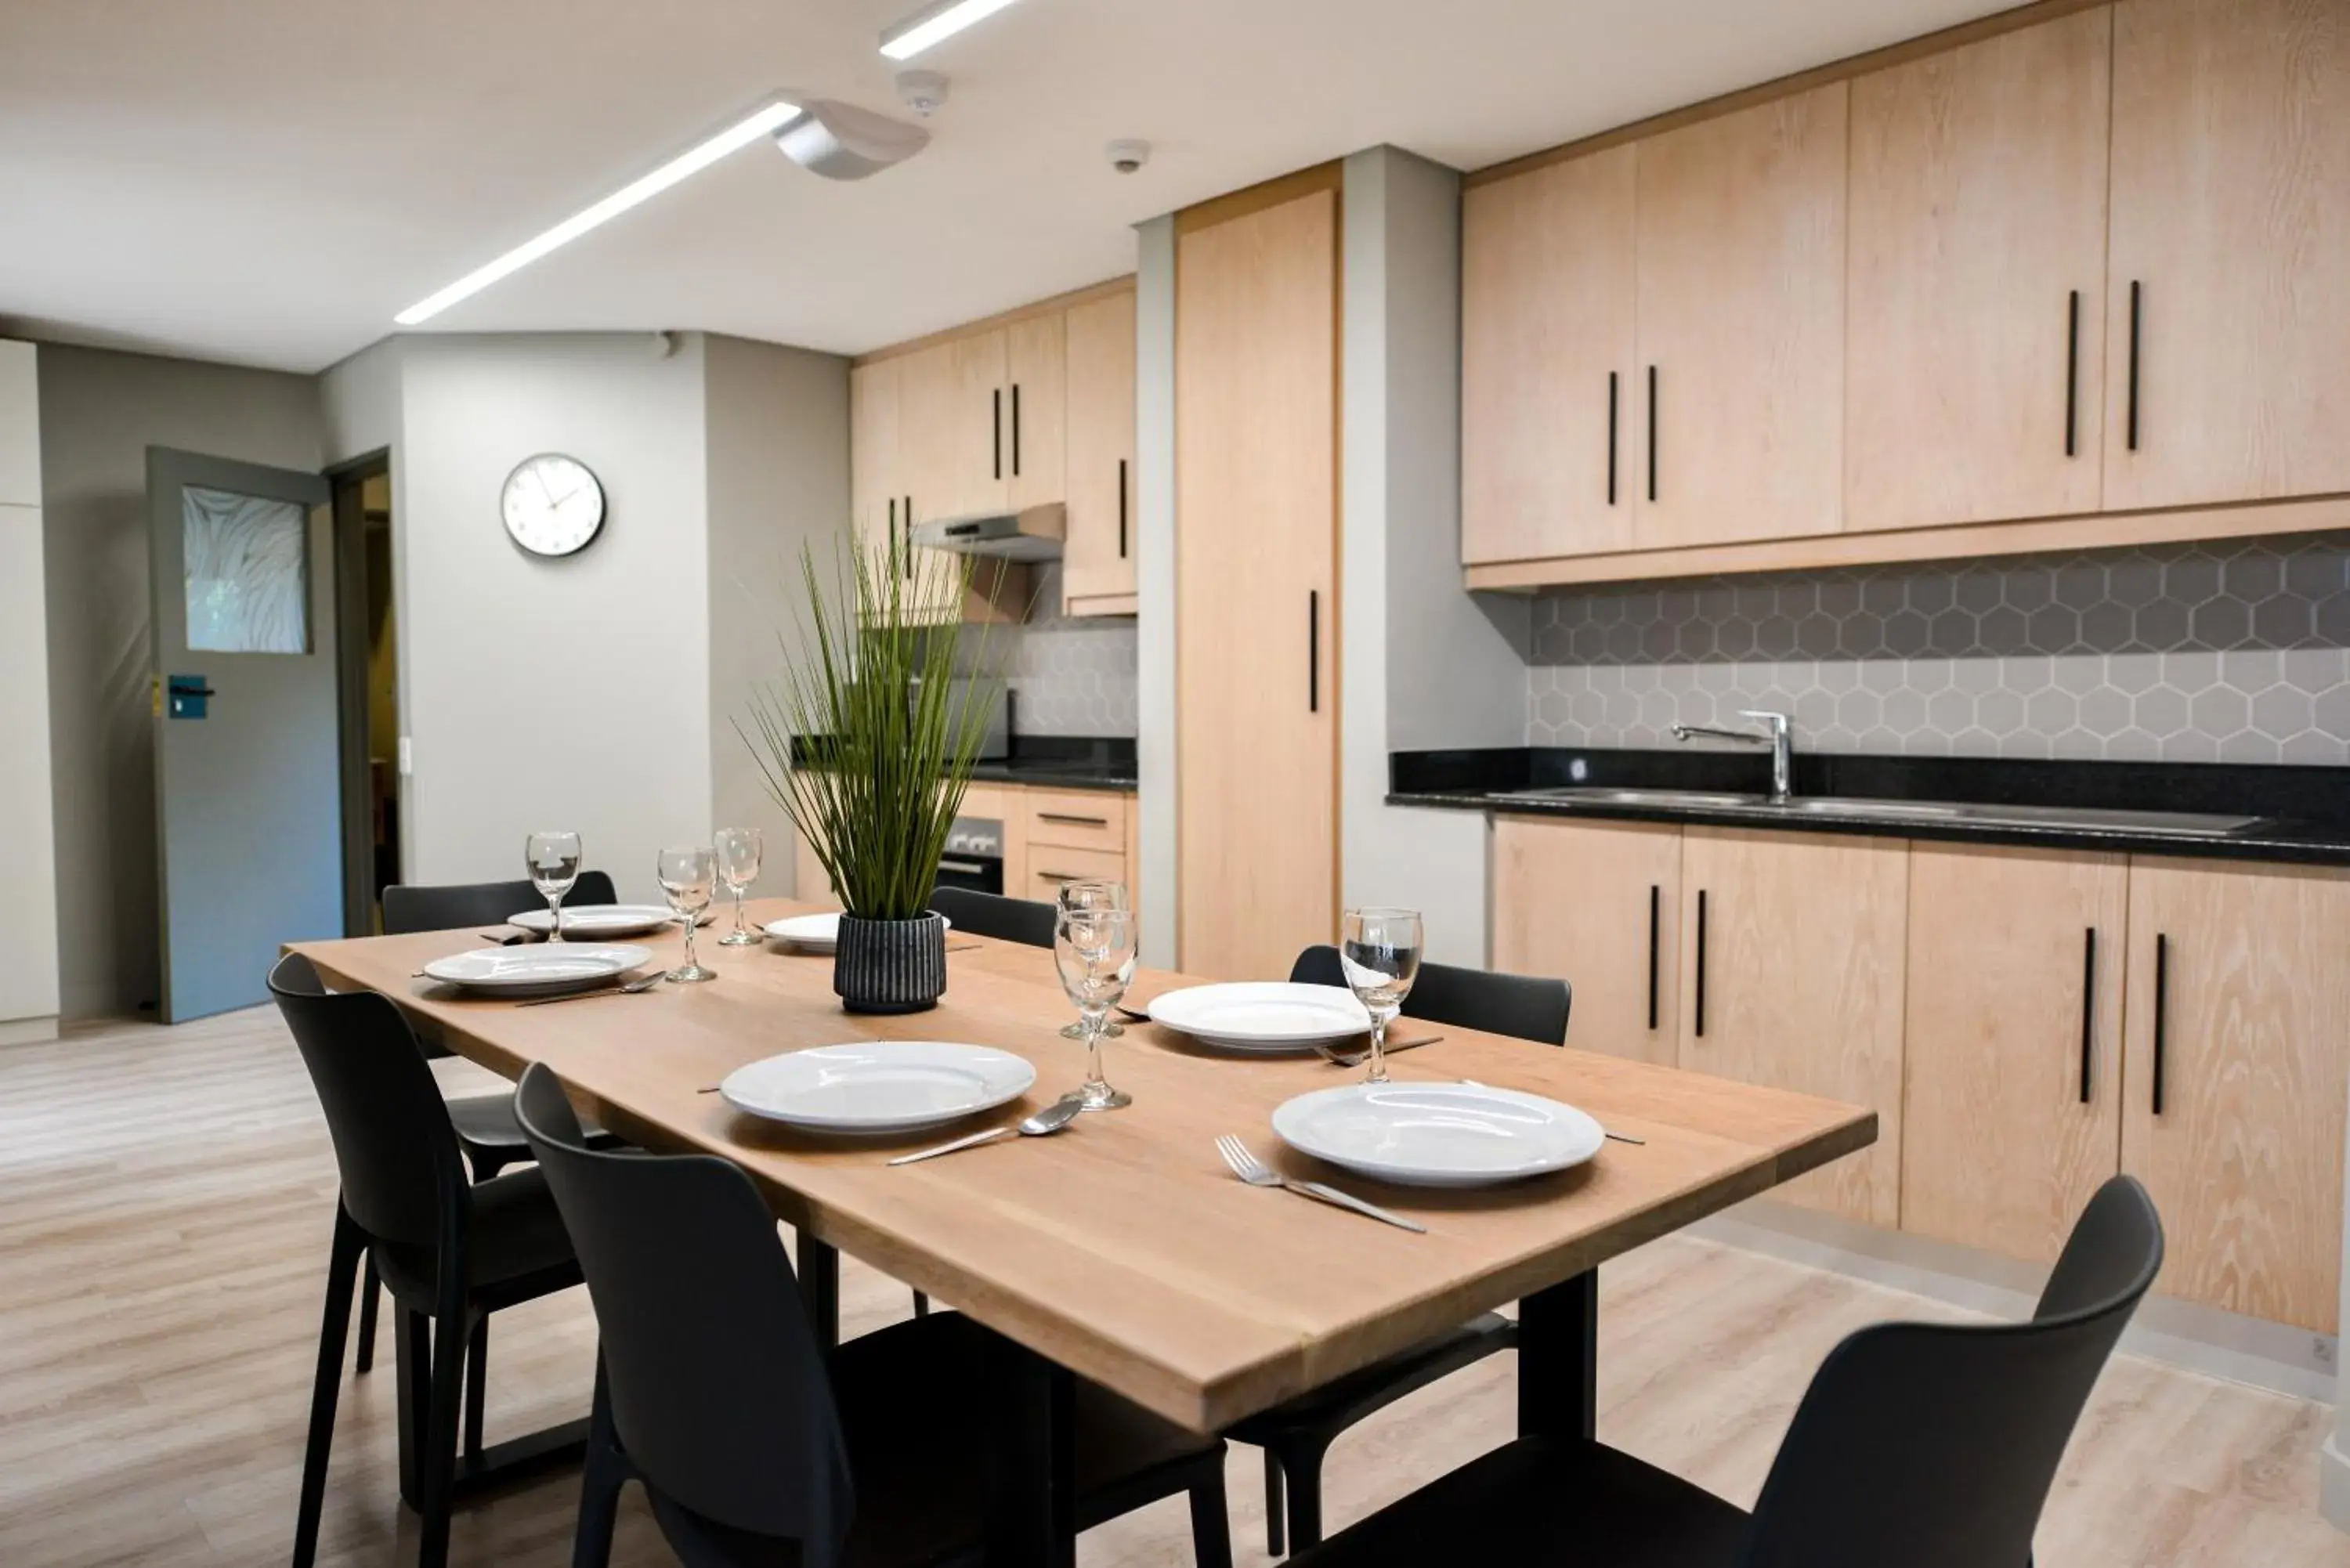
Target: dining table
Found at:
1123, 1251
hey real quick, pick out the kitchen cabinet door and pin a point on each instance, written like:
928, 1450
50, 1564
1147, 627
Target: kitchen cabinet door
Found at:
1256, 654
2011, 1072
2228, 335
1740, 267
1597, 905
950, 429
1793, 962
1035, 411
2236, 1074
1546, 361
1097, 563
876, 498
1976, 368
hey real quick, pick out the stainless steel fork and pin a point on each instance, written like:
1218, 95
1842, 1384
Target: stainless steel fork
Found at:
1256, 1173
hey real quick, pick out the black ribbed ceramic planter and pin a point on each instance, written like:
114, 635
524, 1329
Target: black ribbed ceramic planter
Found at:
890, 966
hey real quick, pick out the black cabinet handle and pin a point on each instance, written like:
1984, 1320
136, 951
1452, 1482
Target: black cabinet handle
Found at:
1656, 921
2071, 373
893, 534
1652, 432
1313, 650
1611, 451
1078, 821
1015, 430
2161, 1011
908, 557
1121, 509
998, 395
2088, 1006
1701, 964
2137, 301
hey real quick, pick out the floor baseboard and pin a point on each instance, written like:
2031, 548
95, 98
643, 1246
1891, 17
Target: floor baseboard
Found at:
2334, 1483
27, 1031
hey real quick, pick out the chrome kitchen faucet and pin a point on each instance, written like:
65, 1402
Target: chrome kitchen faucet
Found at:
1779, 736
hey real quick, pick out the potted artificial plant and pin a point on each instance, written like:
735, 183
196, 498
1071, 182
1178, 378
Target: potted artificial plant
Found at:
862, 750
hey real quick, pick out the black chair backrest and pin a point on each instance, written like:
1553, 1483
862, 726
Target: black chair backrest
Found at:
1524, 1005
393, 1145
416, 906
1933, 1445
717, 1386
993, 915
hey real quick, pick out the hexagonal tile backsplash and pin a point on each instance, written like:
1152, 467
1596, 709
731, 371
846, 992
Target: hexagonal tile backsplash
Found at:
1068, 677
2225, 652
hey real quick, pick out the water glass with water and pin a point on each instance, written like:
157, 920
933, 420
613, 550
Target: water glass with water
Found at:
1380, 949
553, 859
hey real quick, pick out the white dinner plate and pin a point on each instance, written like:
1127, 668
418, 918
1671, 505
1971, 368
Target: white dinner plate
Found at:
817, 933
541, 970
879, 1085
1262, 1015
596, 922
1437, 1134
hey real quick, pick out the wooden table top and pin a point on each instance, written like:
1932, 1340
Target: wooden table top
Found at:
1122, 1248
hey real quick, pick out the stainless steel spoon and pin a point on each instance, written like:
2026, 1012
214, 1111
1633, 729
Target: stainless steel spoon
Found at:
1051, 1119
631, 988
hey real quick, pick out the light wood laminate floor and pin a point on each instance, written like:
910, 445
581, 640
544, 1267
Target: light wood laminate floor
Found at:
165, 1199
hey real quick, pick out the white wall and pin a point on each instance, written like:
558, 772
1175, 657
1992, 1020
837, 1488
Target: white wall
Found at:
777, 443
28, 914
569, 693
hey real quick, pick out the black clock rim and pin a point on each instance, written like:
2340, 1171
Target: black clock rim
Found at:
603, 507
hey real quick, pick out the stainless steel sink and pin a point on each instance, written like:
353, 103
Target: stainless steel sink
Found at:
2176, 824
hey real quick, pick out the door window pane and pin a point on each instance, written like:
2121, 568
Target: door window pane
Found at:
248, 575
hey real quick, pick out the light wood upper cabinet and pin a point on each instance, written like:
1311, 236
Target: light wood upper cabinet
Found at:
875, 492
1256, 649
1740, 312
1976, 273
1035, 411
1597, 905
949, 434
2236, 1079
1097, 563
2012, 1079
1793, 961
2231, 224
1546, 361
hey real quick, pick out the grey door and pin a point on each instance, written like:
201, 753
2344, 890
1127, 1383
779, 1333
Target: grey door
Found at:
248, 767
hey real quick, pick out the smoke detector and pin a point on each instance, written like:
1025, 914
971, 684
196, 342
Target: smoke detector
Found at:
924, 92
842, 141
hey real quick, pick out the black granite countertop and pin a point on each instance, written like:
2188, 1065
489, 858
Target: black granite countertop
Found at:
2304, 812
1051, 762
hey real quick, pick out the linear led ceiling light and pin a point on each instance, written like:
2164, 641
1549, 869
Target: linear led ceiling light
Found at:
933, 23
740, 134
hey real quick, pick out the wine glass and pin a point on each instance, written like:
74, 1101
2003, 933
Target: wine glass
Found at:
553, 859
738, 850
1379, 950
1091, 893
1094, 950
688, 875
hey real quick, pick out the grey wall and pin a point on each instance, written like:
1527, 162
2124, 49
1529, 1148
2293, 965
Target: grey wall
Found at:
100, 413
1423, 663
1154, 574
776, 438
2228, 651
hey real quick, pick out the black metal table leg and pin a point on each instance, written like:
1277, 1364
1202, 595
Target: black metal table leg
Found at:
819, 1271
1558, 1359
1032, 1465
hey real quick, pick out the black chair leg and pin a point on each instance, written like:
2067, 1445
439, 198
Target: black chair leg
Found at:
921, 1305
333, 1328
1211, 1522
371, 1290
412, 1338
1275, 1501
477, 1383
440, 1441
599, 1484
1302, 1467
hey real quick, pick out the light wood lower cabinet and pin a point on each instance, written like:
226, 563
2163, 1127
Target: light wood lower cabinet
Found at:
2012, 1076
1598, 906
1793, 962
2236, 1070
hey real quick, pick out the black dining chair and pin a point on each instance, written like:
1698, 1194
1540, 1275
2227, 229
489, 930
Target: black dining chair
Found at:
451, 1251
1926, 1445
1023, 920
753, 1447
1297, 1434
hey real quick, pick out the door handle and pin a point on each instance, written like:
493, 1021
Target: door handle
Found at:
963, 867
1313, 650
1656, 918
1121, 509
1652, 432
1079, 821
2137, 301
2088, 1005
2072, 372
1701, 964
1015, 430
998, 395
2161, 1011
907, 555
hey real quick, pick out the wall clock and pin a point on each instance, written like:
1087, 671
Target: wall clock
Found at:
552, 504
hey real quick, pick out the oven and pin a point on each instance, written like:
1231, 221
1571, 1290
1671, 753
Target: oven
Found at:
973, 860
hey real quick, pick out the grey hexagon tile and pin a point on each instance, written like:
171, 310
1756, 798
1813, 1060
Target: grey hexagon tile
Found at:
2161, 711
2104, 713
2280, 712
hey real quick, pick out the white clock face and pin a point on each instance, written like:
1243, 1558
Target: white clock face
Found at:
552, 504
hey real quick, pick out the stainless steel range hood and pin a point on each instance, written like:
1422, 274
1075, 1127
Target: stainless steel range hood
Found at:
1031, 533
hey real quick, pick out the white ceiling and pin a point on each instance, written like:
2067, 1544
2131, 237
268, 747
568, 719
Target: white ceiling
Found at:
267, 180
